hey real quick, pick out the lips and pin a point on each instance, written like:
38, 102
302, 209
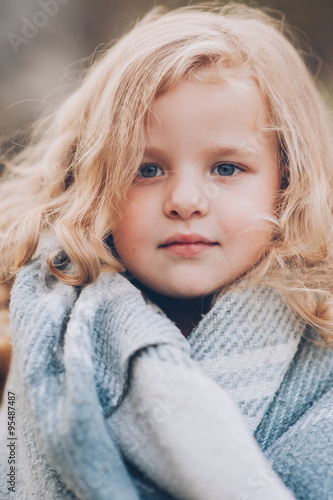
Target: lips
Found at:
187, 244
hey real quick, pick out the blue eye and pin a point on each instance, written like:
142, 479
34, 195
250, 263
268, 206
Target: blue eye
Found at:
226, 169
150, 170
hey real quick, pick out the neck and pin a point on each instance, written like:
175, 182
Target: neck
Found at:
185, 313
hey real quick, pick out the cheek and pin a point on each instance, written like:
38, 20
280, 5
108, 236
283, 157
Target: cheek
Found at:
134, 231
244, 222
124, 236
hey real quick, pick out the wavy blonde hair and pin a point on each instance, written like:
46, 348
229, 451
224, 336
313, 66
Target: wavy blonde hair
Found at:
74, 175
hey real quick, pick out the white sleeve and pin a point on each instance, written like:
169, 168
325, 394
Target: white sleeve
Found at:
182, 430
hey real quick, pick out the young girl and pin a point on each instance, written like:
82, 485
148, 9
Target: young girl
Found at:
172, 310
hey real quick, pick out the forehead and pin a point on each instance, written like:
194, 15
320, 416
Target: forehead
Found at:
230, 110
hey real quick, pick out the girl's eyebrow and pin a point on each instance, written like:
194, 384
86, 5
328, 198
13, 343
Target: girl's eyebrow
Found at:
232, 150
151, 150
244, 149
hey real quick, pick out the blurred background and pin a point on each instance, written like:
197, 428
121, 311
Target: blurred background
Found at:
45, 45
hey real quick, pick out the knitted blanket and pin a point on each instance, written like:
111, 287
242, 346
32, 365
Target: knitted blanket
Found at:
114, 403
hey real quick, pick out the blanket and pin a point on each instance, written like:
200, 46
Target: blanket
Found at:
114, 403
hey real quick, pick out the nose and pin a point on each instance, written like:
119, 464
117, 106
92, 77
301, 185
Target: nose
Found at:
185, 200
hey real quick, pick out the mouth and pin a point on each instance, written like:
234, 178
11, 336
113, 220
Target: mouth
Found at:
187, 245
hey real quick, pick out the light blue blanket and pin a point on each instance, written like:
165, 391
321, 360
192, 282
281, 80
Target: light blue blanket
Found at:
112, 402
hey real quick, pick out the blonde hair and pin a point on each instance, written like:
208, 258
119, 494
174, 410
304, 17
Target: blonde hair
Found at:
74, 175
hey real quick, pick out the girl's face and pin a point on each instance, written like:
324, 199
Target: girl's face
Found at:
193, 221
